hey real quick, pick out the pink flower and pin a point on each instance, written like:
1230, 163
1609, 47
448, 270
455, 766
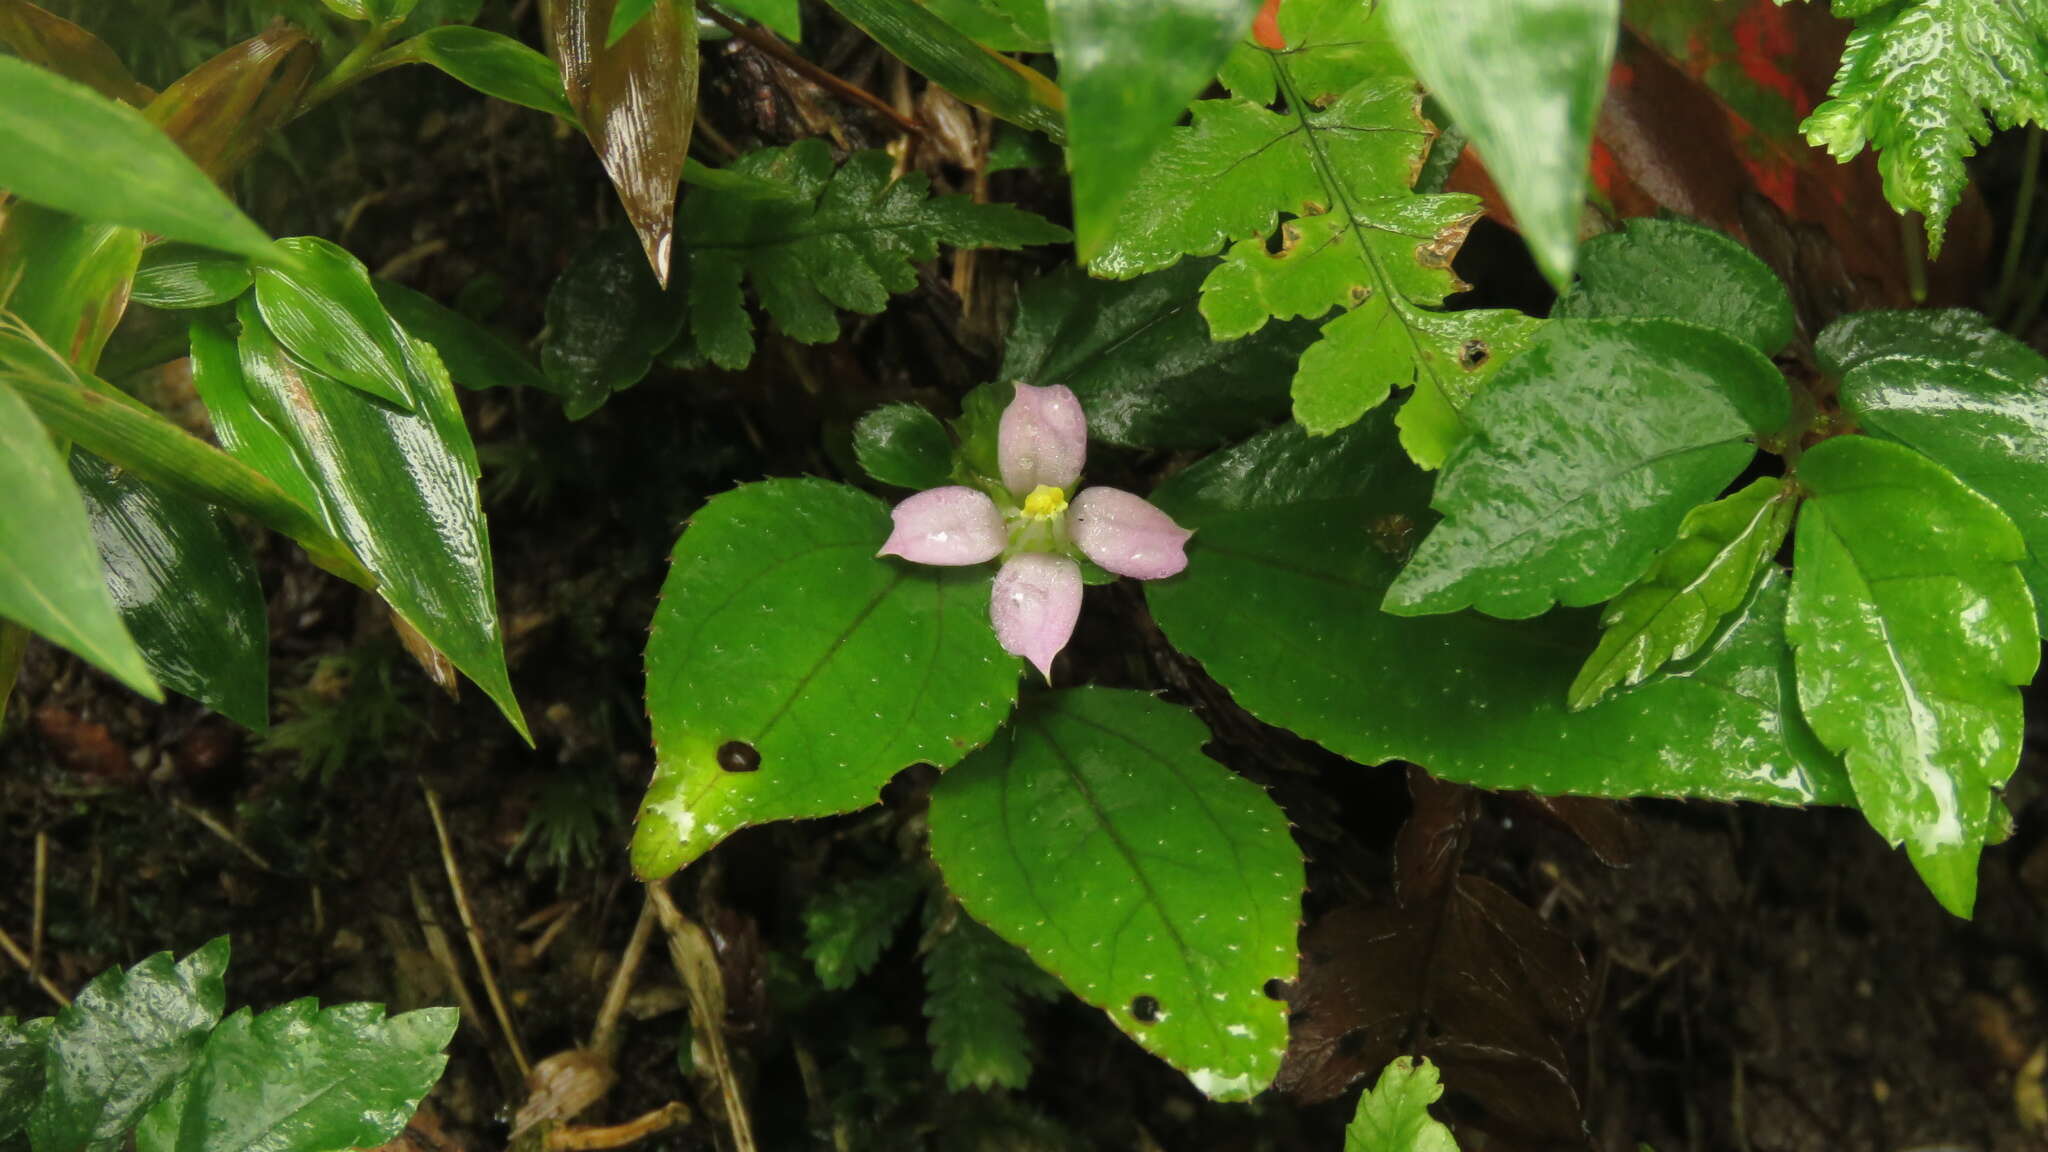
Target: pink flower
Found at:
1040, 447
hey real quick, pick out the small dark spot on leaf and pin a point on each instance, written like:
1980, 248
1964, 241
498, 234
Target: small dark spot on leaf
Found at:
1145, 1009
1278, 989
1473, 354
739, 756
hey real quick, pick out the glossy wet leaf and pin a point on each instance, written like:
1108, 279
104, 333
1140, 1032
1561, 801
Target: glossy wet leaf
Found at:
1990, 431
791, 672
1922, 82
489, 62
184, 583
124, 432
1524, 84
1947, 335
636, 100
1675, 607
67, 278
50, 579
21, 1070
1544, 505
904, 445
66, 146
122, 1045
221, 112
1393, 1115
303, 1077
842, 238
189, 276
476, 357
976, 985
1462, 352
399, 487
607, 319
1157, 884
47, 40
1684, 271
1139, 355
321, 307
1003, 25
994, 83
1280, 603
1913, 630
1129, 68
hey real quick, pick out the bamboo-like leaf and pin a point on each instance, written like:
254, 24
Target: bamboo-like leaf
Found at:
989, 81
223, 110
47, 40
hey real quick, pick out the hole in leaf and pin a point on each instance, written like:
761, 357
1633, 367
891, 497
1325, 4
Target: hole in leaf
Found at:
1473, 354
1278, 989
739, 756
1145, 1009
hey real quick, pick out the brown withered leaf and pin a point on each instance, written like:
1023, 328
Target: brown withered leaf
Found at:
1602, 825
47, 40
637, 100
1455, 969
221, 111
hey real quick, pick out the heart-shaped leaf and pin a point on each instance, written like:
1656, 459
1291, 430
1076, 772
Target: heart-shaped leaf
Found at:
1548, 502
1296, 540
1912, 630
791, 672
1158, 885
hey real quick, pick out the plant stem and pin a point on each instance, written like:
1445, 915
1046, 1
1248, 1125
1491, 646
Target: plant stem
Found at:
2023, 211
353, 67
1913, 245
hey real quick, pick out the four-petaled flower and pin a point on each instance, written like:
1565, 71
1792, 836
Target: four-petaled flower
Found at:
1040, 447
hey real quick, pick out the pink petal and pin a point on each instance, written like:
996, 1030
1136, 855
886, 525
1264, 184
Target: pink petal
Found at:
1037, 598
1126, 534
1043, 439
951, 526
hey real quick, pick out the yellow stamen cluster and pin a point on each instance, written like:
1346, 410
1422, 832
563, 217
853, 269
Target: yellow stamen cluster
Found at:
1045, 502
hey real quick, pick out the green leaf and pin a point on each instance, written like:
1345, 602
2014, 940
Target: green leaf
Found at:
476, 357
122, 1046
1157, 885
300, 1077
1992, 432
1546, 505
791, 672
400, 488
975, 985
1001, 25
189, 276
66, 278
64, 145
847, 926
1674, 608
1393, 1115
124, 432
489, 62
1342, 157
50, 578
992, 82
182, 578
1129, 68
1463, 351
22, 1043
1684, 271
50, 41
607, 318
1138, 354
1912, 630
322, 309
1524, 83
1940, 334
785, 16
1918, 80
904, 445
842, 239
1296, 540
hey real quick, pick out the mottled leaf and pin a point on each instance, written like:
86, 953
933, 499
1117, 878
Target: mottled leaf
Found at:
1157, 885
21, 1070
791, 672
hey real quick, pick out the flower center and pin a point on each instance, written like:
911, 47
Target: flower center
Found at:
1044, 503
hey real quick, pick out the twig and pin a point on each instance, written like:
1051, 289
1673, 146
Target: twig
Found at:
674, 1114
35, 932
15, 953
476, 940
772, 44
605, 1037
444, 955
208, 822
547, 938
691, 953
